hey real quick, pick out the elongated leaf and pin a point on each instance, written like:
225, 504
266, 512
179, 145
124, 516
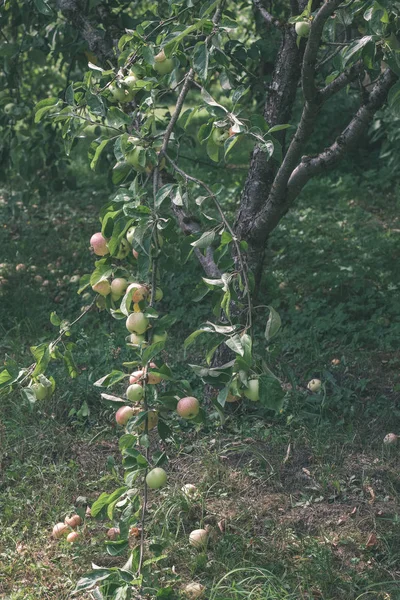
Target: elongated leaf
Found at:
110, 379
273, 324
271, 393
205, 240
235, 344
97, 154
200, 59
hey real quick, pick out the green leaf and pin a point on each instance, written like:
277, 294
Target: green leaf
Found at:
41, 354
271, 393
55, 319
279, 127
163, 430
88, 581
164, 192
394, 98
110, 379
43, 7
97, 154
200, 59
273, 324
28, 395
193, 336
205, 240
212, 150
117, 118
152, 351
235, 344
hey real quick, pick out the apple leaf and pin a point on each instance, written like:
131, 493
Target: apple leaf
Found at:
273, 324
271, 393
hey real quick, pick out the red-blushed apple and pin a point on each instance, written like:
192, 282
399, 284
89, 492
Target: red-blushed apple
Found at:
135, 392
113, 533
153, 378
102, 287
20, 268
194, 590
136, 376
99, 244
156, 478
73, 521
59, 530
137, 323
314, 385
198, 538
252, 392
139, 292
73, 537
188, 408
162, 64
123, 414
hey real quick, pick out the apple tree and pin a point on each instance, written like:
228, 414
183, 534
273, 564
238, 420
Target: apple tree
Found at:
167, 81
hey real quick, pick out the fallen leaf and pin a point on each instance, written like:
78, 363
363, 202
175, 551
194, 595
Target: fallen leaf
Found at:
372, 541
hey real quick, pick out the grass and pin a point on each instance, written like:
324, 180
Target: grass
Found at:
301, 507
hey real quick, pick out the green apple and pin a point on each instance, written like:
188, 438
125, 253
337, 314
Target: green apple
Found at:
118, 287
137, 323
135, 392
314, 385
137, 158
156, 478
219, 136
130, 234
162, 64
303, 28
252, 392
121, 92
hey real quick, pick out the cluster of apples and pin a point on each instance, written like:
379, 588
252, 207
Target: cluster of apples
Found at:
62, 529
100, 247
124, 89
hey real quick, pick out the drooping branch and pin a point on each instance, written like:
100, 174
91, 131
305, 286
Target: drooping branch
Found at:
97, 40
309, 167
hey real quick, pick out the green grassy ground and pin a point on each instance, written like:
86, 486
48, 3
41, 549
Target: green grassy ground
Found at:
304, 506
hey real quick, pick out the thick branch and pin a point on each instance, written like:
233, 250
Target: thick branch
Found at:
268, 18
97, 40
341, 81
311, 52
309, 167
